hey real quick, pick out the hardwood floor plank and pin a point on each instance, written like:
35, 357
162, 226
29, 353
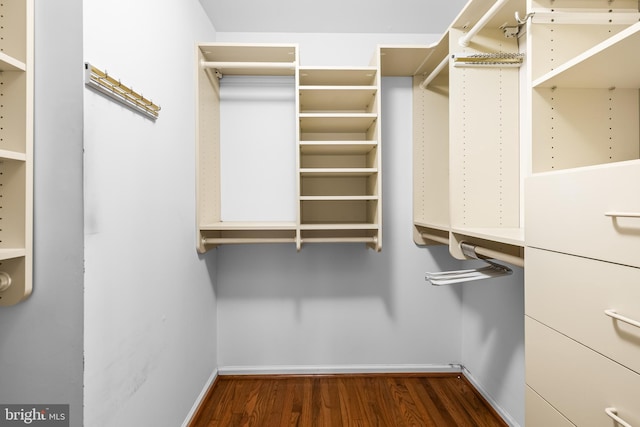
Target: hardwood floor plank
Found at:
383, 400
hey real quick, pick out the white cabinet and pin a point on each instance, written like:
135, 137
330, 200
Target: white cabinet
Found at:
582, 212
337, 167
16, 150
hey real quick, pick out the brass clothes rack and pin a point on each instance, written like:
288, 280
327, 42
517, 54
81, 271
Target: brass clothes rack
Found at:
102, 82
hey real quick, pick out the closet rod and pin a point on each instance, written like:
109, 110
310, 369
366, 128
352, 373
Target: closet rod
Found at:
435, 72
248, 65
243, 240
492, 253
339, 239
466, 39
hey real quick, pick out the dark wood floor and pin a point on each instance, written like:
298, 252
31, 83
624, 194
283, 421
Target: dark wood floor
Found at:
390, 400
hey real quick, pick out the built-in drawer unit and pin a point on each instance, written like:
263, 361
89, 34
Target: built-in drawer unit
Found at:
541, 414
592, 211
584, 299
586, 387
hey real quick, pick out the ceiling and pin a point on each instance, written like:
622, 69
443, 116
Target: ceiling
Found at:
333, 16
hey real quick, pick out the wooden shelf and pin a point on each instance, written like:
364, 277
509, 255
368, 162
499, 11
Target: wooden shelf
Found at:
8, 63
12, 155
336, 122
9, 253
509, 236
339, 226
338, 76
337, 198
593, 68
337, 147
233, 225
338, 171
246, 59
337, 98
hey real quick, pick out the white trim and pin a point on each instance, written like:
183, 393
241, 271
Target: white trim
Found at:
200, 398
335, 369
501, 412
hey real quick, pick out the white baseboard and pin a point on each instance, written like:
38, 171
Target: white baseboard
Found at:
504, 414
335, 369
200, 398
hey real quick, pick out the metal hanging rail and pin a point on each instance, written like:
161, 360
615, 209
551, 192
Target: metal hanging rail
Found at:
466, 39
435, 72
102, 82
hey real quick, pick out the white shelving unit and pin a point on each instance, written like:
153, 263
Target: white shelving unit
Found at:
337, 164
582, 213
215, 60
16, 150
466, 153
339, 155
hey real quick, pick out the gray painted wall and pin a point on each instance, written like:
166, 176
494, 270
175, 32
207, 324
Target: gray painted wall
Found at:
41, 338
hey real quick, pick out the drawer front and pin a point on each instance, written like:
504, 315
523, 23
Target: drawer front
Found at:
575, 211
570, 294
540, 414
577, 381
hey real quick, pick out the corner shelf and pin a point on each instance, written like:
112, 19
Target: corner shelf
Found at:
16, 150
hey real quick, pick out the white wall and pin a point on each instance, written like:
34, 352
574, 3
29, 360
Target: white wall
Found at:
150, 325
342, 306
41, 338
493, 339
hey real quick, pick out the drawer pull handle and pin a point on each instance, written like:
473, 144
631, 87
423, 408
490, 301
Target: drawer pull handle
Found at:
613, 414
623, 214
615, 315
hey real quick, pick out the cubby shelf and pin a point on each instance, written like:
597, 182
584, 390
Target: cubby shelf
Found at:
16, 150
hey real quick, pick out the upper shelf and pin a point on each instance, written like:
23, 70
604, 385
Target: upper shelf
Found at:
337, 76
337, 147
330, 122
594, 68
250, 59
398, 61
337, 98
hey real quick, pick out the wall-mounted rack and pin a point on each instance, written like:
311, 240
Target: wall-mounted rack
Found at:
102, 82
